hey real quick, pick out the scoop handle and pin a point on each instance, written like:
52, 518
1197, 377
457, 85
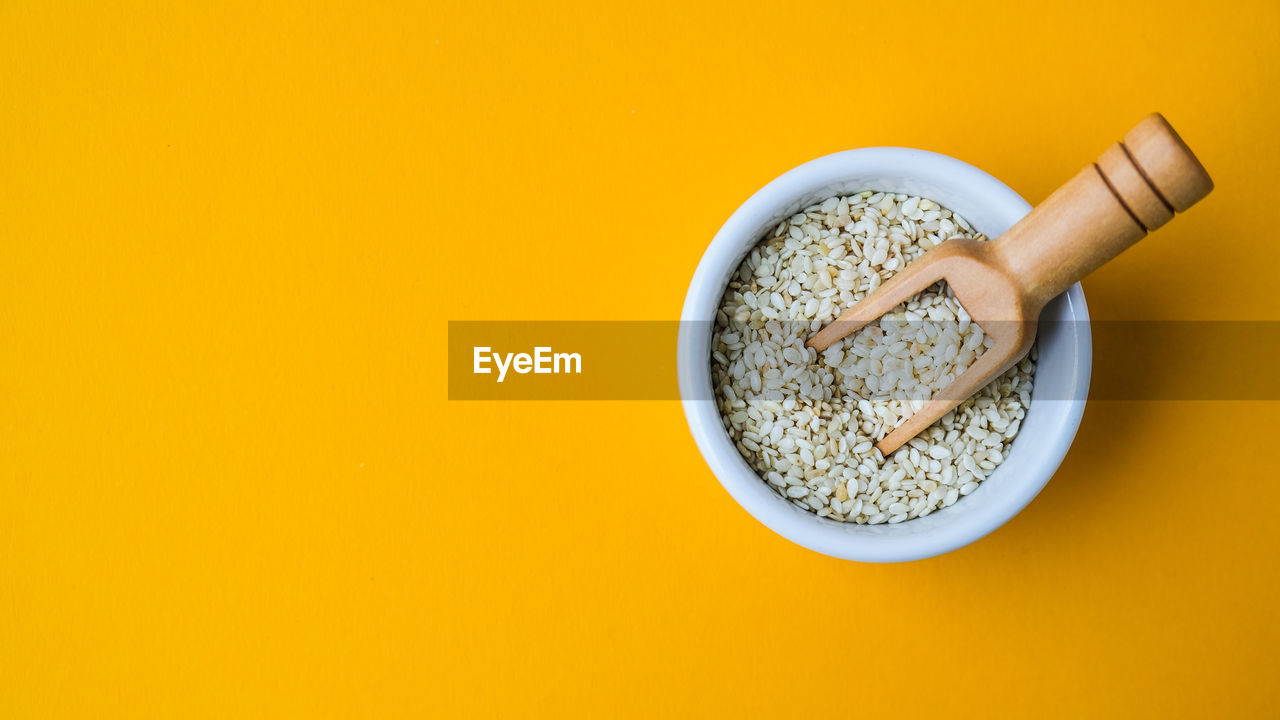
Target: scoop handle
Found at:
1135, 187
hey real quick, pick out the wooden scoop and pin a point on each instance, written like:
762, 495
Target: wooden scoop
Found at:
1135, 187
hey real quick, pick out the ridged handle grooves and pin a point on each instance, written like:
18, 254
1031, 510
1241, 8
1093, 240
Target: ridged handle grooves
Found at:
1136, 186
1153, 173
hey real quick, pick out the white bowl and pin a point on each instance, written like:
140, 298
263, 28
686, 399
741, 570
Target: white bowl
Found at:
1061, 379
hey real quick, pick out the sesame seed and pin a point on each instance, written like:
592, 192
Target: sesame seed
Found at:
807, 422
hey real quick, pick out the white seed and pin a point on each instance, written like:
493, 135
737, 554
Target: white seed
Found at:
807, 422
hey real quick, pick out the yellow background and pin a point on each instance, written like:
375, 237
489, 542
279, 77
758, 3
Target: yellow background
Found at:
231, 236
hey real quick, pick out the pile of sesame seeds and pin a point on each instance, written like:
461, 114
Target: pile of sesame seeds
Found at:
807, 421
